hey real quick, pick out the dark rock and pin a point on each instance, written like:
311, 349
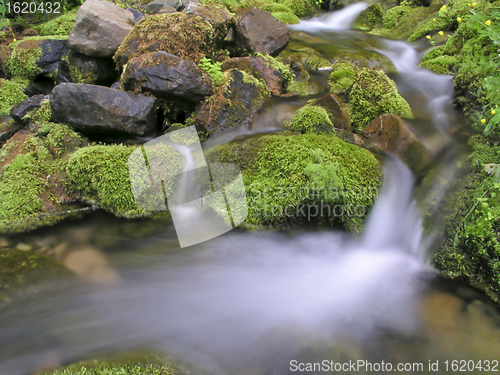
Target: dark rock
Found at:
166, 75
117, 85
211, 13
351, 138
39, 86
100, 27
259, 67
156, 6
259, 31
390, 134
80, 68
137, 15
97, 110
22, 109
8, 128
333, 104
52, 53
232, 106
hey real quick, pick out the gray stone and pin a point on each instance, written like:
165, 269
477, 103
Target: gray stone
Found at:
156, 6
137, 15
100, 27
102, 111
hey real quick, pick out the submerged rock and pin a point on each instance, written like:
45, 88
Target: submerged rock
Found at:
233, 105
166, 75
390, 134
100, 27
293, 179
258, 31
102, 111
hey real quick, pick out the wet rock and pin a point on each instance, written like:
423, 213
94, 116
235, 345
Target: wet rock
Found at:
307, 57
259, 31
390, 134
100, 27
156, 5
166, 75
370, 18
40, 86
185, 3
7, 130
333, 104
90, 263
170, 33
137, 15
79, 68
351, 138
212, 14
257, 66
97, 110
22, 109
24, 247
233, 105
53, 51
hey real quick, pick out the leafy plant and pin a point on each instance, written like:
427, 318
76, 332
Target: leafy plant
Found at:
213, 68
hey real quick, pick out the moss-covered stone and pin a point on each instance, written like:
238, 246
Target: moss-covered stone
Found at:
310, 119
40, 115
12, 93
441, 64
370, 18
185, 35
374, 94
299, 8
394, 15
299, 178
101, 173
342, 77
286, 17
22, 271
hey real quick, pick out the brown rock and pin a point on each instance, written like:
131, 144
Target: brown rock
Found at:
333, 104
259, 31
390, 134
259, 67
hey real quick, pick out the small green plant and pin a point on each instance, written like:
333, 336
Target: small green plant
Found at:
213, 68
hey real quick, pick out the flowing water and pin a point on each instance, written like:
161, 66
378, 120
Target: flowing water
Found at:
250, 303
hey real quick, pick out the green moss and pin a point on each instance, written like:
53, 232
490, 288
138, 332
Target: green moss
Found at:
472, 246
287, 18
301, 8
441, 64
101, 173
213, 68
310, 119
394, 15
342, 77
22, 271
373, 94
286, 73
12, 93
61, 25
42, 114
370, 18
287, 175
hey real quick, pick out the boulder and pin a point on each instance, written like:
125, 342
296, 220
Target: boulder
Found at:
97, 110
233, 105
257, 66
22, 109
170, 33
137, 15
166, 9
211, 13
336, 109
156, 5
100, 27
390, 134
166, 75
80, 68
259, 31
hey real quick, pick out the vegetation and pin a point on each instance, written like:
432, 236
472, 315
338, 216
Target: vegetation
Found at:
342, 78
213, 69
12, 93
311, 119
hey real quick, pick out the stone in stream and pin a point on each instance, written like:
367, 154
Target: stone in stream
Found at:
257, 66
390, 134
333, 104
166, 75
97, 110
259, 31
100, 27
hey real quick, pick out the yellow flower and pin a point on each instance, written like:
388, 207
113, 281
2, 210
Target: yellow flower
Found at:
459, 19
440, 33
483, 121
428, 36
488, 23
14, 40
493, 112
443, 7
434, 20
474, 4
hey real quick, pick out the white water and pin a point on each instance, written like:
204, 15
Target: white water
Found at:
339, 20
241, 301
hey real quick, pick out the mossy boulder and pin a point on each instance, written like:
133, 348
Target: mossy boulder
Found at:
366, 59
32, 187
79, 68
185, 35
373, 94
394, 15
442, 64
342, 78
293, 179
471, 246
12, 93
370, 18
310, 119
308, 57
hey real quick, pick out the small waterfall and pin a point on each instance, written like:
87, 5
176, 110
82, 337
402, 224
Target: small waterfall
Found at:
338, 20
240, 301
